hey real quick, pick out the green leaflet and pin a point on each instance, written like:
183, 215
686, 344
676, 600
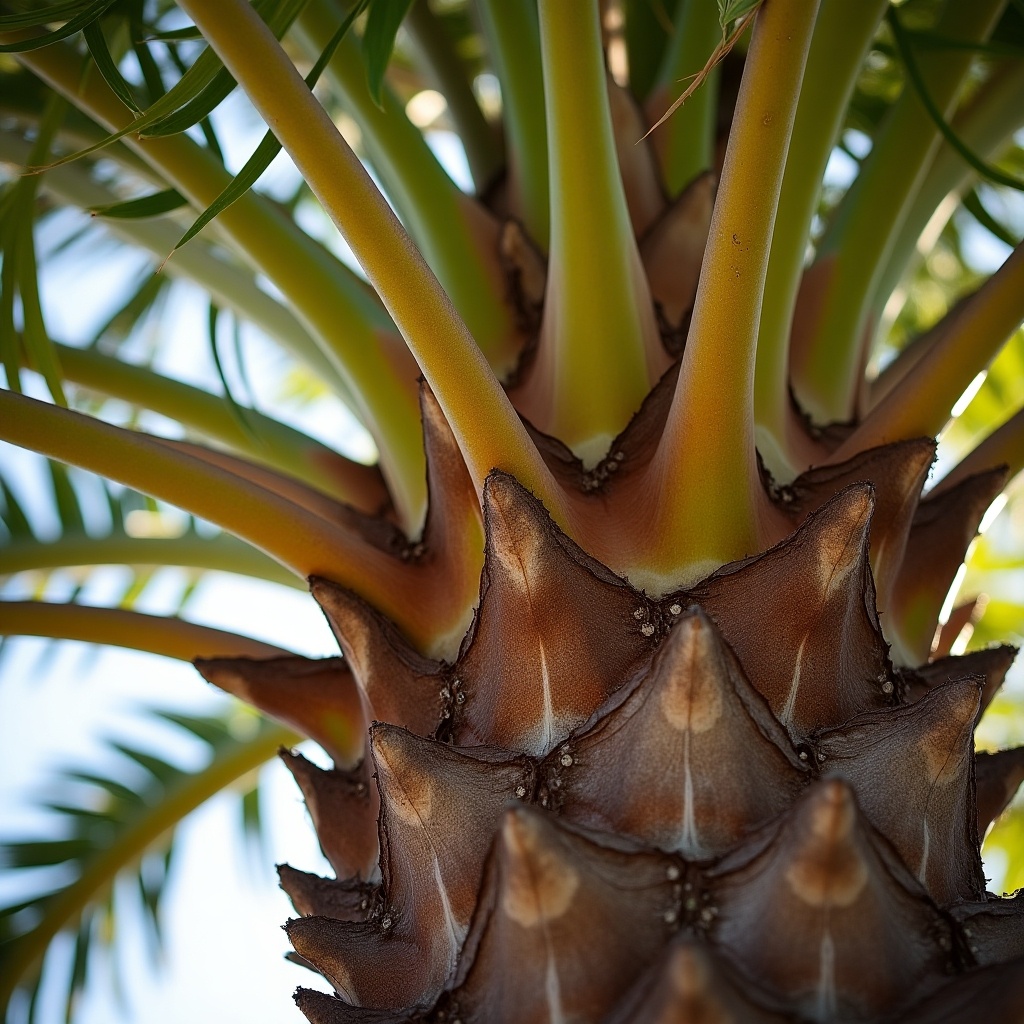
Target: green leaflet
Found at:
153, 205
973, 205
379, 40
732, 10
105, 63
986, 170
88, 13
269, 147
200, 89
120, 825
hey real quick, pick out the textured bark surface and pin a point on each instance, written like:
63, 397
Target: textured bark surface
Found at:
724, 805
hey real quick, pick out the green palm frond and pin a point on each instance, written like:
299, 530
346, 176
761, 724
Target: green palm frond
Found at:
119, 825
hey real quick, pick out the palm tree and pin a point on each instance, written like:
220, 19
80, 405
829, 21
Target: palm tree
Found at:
656, 702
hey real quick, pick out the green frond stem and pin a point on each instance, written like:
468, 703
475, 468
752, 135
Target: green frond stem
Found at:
457, 236
986, 125
231, 286
513, 37
300, 494
301, 540
222, 553
165, 635
233, 761
685, 143
829, 354
841, 38
965, 343
347, 322
1003, 447
490, 432
479, 138
250, 433
599, 348
648, 34
709, 506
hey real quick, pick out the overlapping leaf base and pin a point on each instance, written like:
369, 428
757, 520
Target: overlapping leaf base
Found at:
726, 805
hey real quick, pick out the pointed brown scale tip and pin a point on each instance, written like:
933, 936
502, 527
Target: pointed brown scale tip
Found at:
346, 900
344, 807
990, 664
691, 985
993, 928
897, 472
821, 576
527, 273
322, 1008
818, 908
929, 817
985, 996
400, 684
998, 777
672, 252
943, 527
453, 512
556, 632
317, 698
439, 810
350, 956
564, 927
689, 759
640, 178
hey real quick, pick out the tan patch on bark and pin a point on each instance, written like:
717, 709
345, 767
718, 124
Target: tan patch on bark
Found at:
829, 871
540, 886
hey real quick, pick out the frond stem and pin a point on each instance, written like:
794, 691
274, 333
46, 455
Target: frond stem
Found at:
710, 504
920, 403
598, 322
489, 431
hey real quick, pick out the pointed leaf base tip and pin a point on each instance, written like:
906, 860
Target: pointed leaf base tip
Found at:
819, 908
942, 529
344, 807
556, 632
563, 928
401, 686
439, 811
998, 778
897, 472
930, 816
994, 928
991, 664
824, 660
321, 1008
348, 900
688, 758
317, 698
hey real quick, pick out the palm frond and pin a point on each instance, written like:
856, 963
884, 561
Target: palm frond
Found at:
118, 825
